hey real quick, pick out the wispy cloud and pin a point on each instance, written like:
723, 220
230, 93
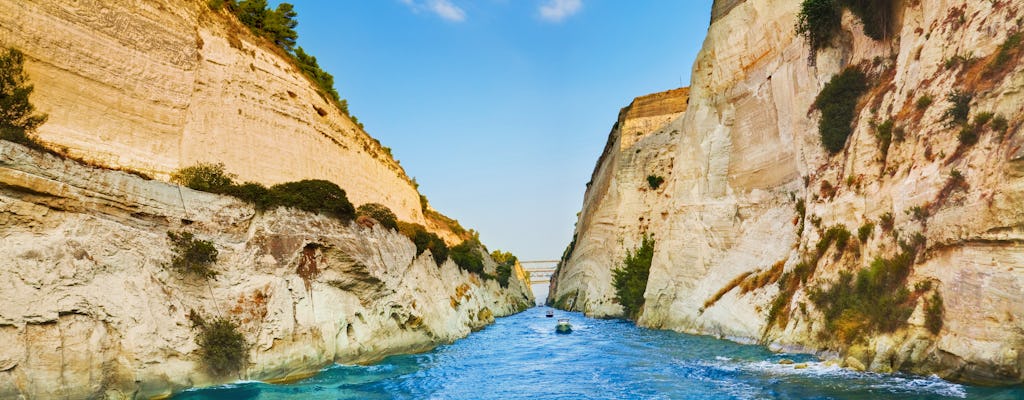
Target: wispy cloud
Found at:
442, 8
558, 10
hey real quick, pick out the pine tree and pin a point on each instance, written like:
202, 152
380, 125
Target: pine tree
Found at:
17, 121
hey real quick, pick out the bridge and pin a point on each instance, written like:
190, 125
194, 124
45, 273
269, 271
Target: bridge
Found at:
540, 270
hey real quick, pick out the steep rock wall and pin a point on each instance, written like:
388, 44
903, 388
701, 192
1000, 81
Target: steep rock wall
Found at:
620, 205
90, 309
153, 86
748, 152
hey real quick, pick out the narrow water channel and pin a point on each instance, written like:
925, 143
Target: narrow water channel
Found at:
521, 357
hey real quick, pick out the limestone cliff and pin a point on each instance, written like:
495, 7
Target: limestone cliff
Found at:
620, 204
90, 308
750, 193
152, 86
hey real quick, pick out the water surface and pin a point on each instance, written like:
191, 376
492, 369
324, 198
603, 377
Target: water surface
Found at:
520, 357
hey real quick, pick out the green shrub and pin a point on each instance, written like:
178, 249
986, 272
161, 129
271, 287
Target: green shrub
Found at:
919, 213
960, 108
655, 181
887, 221
967, 136
221, 346
838, 103
1000, 124
313, 195
207, 177
424, 241
321, 78
876, 15
875, 301
251, 192
1006, 51
191, 255
924, 101
506, 261
379, 212
933, 314
467, 256
883, 132
630, 280
982, 118
17, 119
864, 232
818, 22
837, 234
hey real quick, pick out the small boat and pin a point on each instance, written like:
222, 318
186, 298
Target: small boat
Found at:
551, 313
563, 326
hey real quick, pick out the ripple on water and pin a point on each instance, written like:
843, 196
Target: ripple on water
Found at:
521, 357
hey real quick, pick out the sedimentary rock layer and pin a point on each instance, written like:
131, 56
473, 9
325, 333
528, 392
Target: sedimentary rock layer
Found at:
750, 192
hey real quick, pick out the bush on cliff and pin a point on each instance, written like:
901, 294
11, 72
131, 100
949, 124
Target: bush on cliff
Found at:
207, 177
191, 255
506, 261
221, 346
818, 21
467, 256
655, 181
424, 241
630, 280
313, 195
875, 300
18, 120
837, 102
379, 212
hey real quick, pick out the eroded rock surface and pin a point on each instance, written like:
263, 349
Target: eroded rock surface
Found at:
89, 307
746, 155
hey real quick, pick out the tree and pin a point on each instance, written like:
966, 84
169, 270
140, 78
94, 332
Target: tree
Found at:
280, 26
505, 262
252, 13
17, 118
630, 280
467, 256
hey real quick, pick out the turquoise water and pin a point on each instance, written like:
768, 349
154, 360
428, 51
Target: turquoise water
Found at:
520, 357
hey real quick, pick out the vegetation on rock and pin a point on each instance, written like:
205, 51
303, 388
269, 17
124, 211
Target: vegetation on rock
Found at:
222, 347
424, 241
875, 300
313, 195
467, 256
820, 20
837, 102
191, 255
506, 261
18, 120
933, 313
380, 213
655, 181
960, 108
630, 280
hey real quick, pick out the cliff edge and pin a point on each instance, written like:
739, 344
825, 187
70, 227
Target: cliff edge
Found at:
899, 251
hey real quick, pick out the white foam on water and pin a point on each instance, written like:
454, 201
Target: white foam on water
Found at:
897, 384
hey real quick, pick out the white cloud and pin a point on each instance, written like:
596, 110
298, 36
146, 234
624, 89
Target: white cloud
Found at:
443, 8
558, 10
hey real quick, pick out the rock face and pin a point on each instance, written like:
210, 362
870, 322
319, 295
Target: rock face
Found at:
152, 86
620, 203
750, 192
90, 308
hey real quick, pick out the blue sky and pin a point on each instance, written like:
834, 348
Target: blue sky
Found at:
500, 108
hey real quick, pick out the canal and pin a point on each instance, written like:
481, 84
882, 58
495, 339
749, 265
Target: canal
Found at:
520, 357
